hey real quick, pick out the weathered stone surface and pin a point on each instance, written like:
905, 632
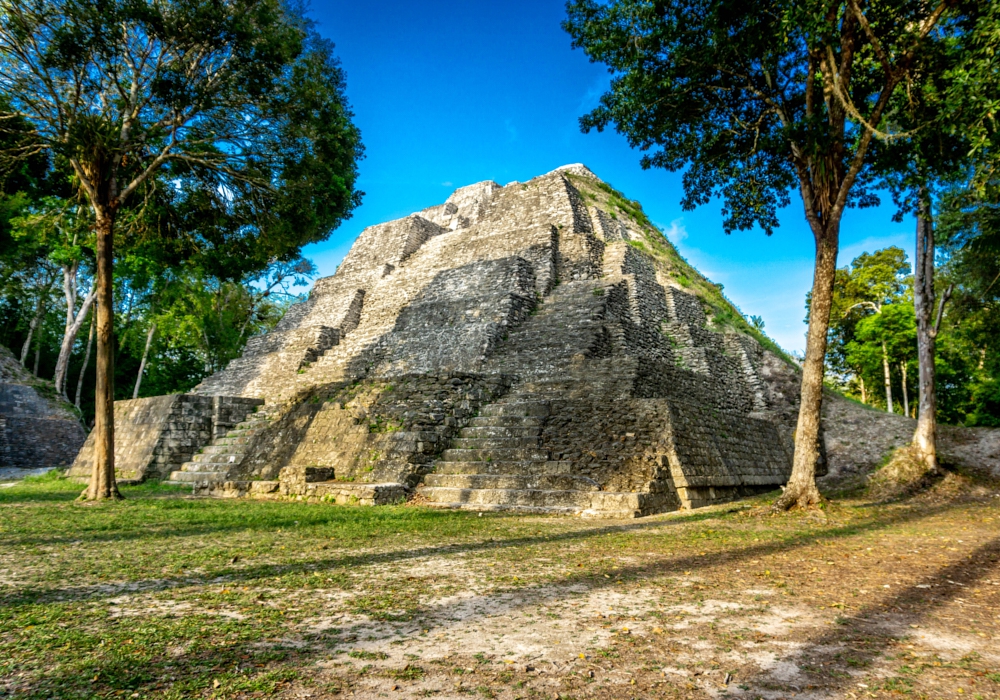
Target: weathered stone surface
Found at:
155, 436
36, 429
535, 347
514, 348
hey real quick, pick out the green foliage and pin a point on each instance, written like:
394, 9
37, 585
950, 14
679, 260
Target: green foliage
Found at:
985, 400
728, 91
212, 140
253, 187
969, 344
872, 306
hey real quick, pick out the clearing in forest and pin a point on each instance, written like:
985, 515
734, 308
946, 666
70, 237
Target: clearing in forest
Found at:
166, 596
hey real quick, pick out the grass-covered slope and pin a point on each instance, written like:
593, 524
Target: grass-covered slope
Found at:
721, 312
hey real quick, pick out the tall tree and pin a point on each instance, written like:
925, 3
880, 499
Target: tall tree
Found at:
969, 224
949, 118
873, 281
238, 106
62, 229
756, 100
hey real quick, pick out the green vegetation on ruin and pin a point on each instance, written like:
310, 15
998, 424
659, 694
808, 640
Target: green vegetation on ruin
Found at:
722, 313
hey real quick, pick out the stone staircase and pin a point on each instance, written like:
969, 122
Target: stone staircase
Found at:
216, 459
498, 461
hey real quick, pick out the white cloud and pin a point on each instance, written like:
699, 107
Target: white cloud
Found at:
676, 231
447, 183
512, 133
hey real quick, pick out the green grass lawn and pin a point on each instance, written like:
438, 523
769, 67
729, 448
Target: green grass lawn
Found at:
166, 596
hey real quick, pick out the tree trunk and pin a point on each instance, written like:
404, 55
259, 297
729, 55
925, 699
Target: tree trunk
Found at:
142, 364
38, 351
801, 489
925, 436
102, 479
864, 396
888, 380
86, 361
906, 393
73, 323
33, 325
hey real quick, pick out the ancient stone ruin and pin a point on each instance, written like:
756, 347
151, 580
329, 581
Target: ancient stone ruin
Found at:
37, 430
538, 347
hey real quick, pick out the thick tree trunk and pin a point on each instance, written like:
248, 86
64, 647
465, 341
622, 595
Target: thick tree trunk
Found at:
888, 379
801, 489
102, 479
86, 361
74, 321
906, 393
925, 436
142, 364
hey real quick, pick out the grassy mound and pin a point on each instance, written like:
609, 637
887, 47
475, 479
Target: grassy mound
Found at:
903, 474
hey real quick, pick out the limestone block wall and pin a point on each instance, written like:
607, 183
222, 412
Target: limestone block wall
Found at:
465, 207
154, 436
375, 430
36, 430
514, 294
32, 434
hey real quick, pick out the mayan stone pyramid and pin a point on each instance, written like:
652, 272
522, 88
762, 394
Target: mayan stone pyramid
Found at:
537, 347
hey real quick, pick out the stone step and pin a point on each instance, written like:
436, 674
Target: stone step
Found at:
555, 482
508, 497
218, 447
491, 443
223, 458
501, 431
504, 467
493, 508
525, 408
232, 441
219, 468
242, 432
503, 454
183, 477
492, 421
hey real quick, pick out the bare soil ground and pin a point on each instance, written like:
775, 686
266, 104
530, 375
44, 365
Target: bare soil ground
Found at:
166, 596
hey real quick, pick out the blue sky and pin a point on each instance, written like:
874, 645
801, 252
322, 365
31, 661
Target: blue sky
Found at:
451, 93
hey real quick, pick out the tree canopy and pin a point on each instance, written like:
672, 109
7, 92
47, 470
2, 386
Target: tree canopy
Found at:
216, 131
756, 100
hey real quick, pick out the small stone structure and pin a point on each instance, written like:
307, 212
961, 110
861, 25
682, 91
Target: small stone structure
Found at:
36, 429
157, 435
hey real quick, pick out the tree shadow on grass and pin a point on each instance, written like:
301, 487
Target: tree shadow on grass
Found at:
859, 640
218, 517
231, 655
239, 575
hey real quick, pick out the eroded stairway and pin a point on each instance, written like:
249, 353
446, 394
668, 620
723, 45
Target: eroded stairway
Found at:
224, 454
498, 462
